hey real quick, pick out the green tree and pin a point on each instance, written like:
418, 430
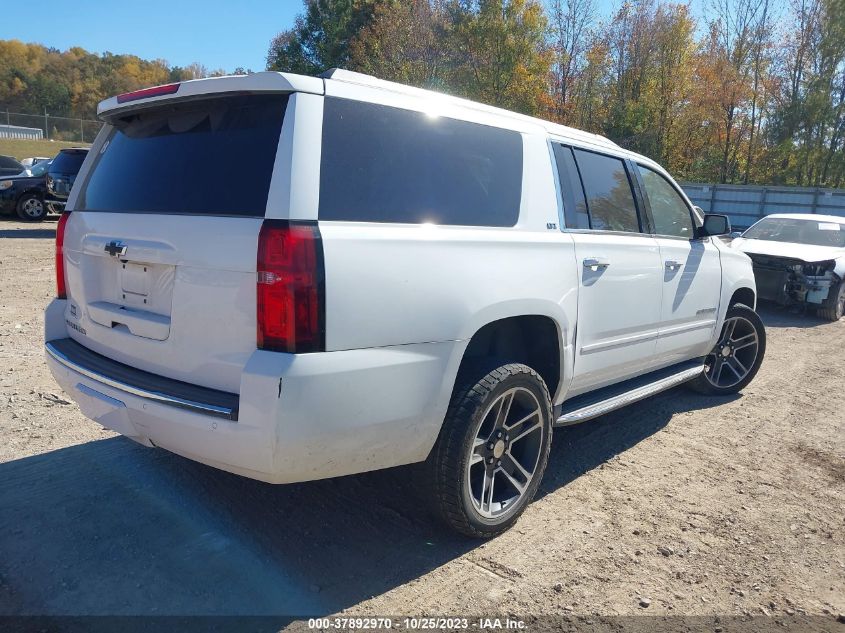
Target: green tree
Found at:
321, 38
500, 54
404, 43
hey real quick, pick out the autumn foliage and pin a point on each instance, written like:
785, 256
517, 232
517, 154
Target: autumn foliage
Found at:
755, 93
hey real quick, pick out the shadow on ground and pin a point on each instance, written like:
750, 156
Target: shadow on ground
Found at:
40, 232
110, 527
774, 315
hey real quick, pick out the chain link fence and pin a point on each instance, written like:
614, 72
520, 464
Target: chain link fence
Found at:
55, 128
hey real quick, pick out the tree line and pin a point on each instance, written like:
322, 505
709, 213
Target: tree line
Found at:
35, 78
753, 93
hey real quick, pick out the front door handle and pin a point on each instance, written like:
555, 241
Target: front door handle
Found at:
672, 264
596, 263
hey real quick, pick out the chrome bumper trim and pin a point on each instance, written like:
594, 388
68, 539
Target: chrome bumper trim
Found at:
197, 407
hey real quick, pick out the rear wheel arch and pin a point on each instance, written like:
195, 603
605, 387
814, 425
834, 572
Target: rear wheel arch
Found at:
533, 340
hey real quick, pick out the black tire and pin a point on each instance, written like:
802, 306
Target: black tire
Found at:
833, 307
31, 208
455, 460
705, 383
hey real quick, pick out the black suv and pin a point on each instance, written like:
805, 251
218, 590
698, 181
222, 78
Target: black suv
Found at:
24, 195
62, 174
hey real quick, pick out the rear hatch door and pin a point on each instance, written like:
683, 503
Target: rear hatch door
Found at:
160, 248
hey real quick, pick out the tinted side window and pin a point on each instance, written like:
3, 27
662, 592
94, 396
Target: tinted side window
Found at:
670, 213
384, 164
574, 203
609, 196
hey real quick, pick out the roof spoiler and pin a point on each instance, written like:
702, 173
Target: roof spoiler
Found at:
245, 84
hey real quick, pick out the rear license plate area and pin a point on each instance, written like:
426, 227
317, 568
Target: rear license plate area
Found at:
134, 284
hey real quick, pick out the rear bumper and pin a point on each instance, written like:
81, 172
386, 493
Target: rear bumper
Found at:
174, 393
299, 417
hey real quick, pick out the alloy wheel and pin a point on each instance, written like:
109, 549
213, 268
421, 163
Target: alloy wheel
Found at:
734, 355
33, 208
505, 453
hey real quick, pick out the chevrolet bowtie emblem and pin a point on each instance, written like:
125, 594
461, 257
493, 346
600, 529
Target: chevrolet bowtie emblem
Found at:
116, 248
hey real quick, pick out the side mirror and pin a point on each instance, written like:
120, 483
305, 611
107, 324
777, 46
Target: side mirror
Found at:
715, 224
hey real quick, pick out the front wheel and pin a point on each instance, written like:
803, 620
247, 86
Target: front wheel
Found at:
492, 450
737, 357
31, 208
833, 307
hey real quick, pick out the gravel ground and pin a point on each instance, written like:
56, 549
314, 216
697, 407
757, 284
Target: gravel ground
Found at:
679, 505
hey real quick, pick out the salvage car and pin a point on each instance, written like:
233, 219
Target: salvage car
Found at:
799, 259
24, 195
402, 277
62, 174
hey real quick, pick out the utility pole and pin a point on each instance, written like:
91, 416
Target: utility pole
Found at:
81, 132
46, 132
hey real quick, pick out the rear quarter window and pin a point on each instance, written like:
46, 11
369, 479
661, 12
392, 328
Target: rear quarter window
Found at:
209, 157
384, 164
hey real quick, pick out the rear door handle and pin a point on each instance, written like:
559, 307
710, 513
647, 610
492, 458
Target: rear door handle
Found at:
672, 264
596, 263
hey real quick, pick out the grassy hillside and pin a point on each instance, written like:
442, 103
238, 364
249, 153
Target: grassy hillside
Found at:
21, 149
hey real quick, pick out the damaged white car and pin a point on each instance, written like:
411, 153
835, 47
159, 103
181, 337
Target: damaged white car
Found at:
799, 259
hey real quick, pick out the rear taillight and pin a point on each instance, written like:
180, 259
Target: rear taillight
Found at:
291, 287
61, 284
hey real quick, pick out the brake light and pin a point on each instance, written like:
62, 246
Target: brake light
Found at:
155, 91
61, 284
290, 287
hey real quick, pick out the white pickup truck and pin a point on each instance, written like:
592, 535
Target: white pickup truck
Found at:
399, 277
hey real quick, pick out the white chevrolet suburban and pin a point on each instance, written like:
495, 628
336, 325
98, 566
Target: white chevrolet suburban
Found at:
398, 277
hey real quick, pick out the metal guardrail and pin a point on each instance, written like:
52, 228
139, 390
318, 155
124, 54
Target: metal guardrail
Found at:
745, 204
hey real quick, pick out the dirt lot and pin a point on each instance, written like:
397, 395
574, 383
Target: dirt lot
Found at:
687, 504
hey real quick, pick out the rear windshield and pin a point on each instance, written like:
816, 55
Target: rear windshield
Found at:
815, 232
211, 157
384, 164
67, 162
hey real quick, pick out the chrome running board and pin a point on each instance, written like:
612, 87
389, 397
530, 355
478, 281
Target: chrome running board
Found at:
589, 410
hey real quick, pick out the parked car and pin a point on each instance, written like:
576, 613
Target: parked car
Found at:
10, 166
62, 174
401, 277
24, 195
799, 259
28, 163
